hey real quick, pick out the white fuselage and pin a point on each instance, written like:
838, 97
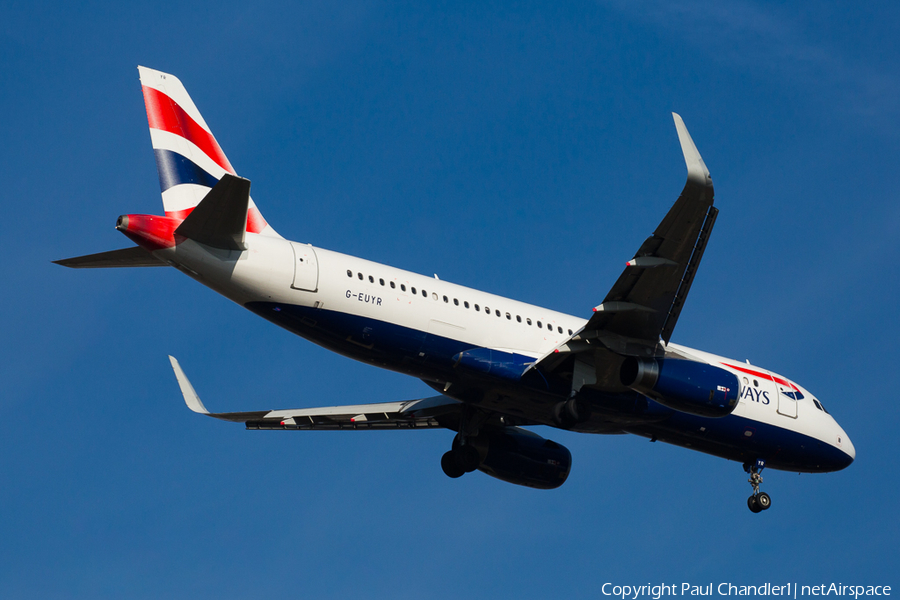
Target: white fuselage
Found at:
352, 300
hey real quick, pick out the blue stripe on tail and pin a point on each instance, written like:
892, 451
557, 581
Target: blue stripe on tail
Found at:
175, 169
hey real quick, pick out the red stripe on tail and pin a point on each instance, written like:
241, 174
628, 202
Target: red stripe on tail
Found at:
164, 114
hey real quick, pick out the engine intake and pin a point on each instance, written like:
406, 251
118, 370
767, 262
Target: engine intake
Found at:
687, 386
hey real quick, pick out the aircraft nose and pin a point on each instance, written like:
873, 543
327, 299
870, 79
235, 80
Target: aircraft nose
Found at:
848, 450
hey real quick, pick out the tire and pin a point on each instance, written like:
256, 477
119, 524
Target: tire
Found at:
467, 457
753, 504
451, 466
578, 411
561, 416
764, 501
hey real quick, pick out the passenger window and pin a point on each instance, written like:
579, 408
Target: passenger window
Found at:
539, 324
424, 294
360, 276
508, 317
559, 329
466, 304
349, 273
371, 279
456, 302
446, 299
528, 321
497, 311
518, 318
570, 332
393, 285
433, 295
403, 288
381, 281
487, 310
476, 307
413, 290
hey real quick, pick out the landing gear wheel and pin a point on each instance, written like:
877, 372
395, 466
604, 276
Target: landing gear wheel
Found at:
571, 412
467, 458
753, 504
759, 501
451, 466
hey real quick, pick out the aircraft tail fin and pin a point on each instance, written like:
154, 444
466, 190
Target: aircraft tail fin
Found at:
189, 160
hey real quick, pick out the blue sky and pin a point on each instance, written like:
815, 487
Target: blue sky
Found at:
525, 149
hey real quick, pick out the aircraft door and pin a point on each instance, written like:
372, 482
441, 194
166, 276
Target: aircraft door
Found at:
787, 403
306, 268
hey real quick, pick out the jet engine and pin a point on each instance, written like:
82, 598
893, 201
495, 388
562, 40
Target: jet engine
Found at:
687, 386
524, 458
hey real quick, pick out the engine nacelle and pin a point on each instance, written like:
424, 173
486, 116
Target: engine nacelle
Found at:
524, 458
687, 386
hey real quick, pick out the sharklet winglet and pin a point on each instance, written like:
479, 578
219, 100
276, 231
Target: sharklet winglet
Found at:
697, 171
190, 396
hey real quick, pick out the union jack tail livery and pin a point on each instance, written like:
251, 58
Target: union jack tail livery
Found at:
188, 157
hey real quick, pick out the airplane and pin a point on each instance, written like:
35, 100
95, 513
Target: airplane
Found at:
498, 365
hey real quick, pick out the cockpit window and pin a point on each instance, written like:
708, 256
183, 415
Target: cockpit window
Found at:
816, 402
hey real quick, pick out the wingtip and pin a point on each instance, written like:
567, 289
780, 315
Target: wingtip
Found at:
697, 171
187, 390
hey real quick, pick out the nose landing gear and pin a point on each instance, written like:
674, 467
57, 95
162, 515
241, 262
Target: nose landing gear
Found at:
759, 501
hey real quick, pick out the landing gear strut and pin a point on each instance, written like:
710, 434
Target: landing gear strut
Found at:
463, 457
759, 501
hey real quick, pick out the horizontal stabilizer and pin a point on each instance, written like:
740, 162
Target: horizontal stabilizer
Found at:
126, 257
220, 220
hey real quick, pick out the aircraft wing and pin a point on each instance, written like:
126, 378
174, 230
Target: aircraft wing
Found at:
644, 303
409, 414
646, 300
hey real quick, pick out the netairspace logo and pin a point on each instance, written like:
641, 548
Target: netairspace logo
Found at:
787, 590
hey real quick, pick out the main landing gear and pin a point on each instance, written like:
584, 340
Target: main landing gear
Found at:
460, 459
463, 456
571, 412
759, 501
